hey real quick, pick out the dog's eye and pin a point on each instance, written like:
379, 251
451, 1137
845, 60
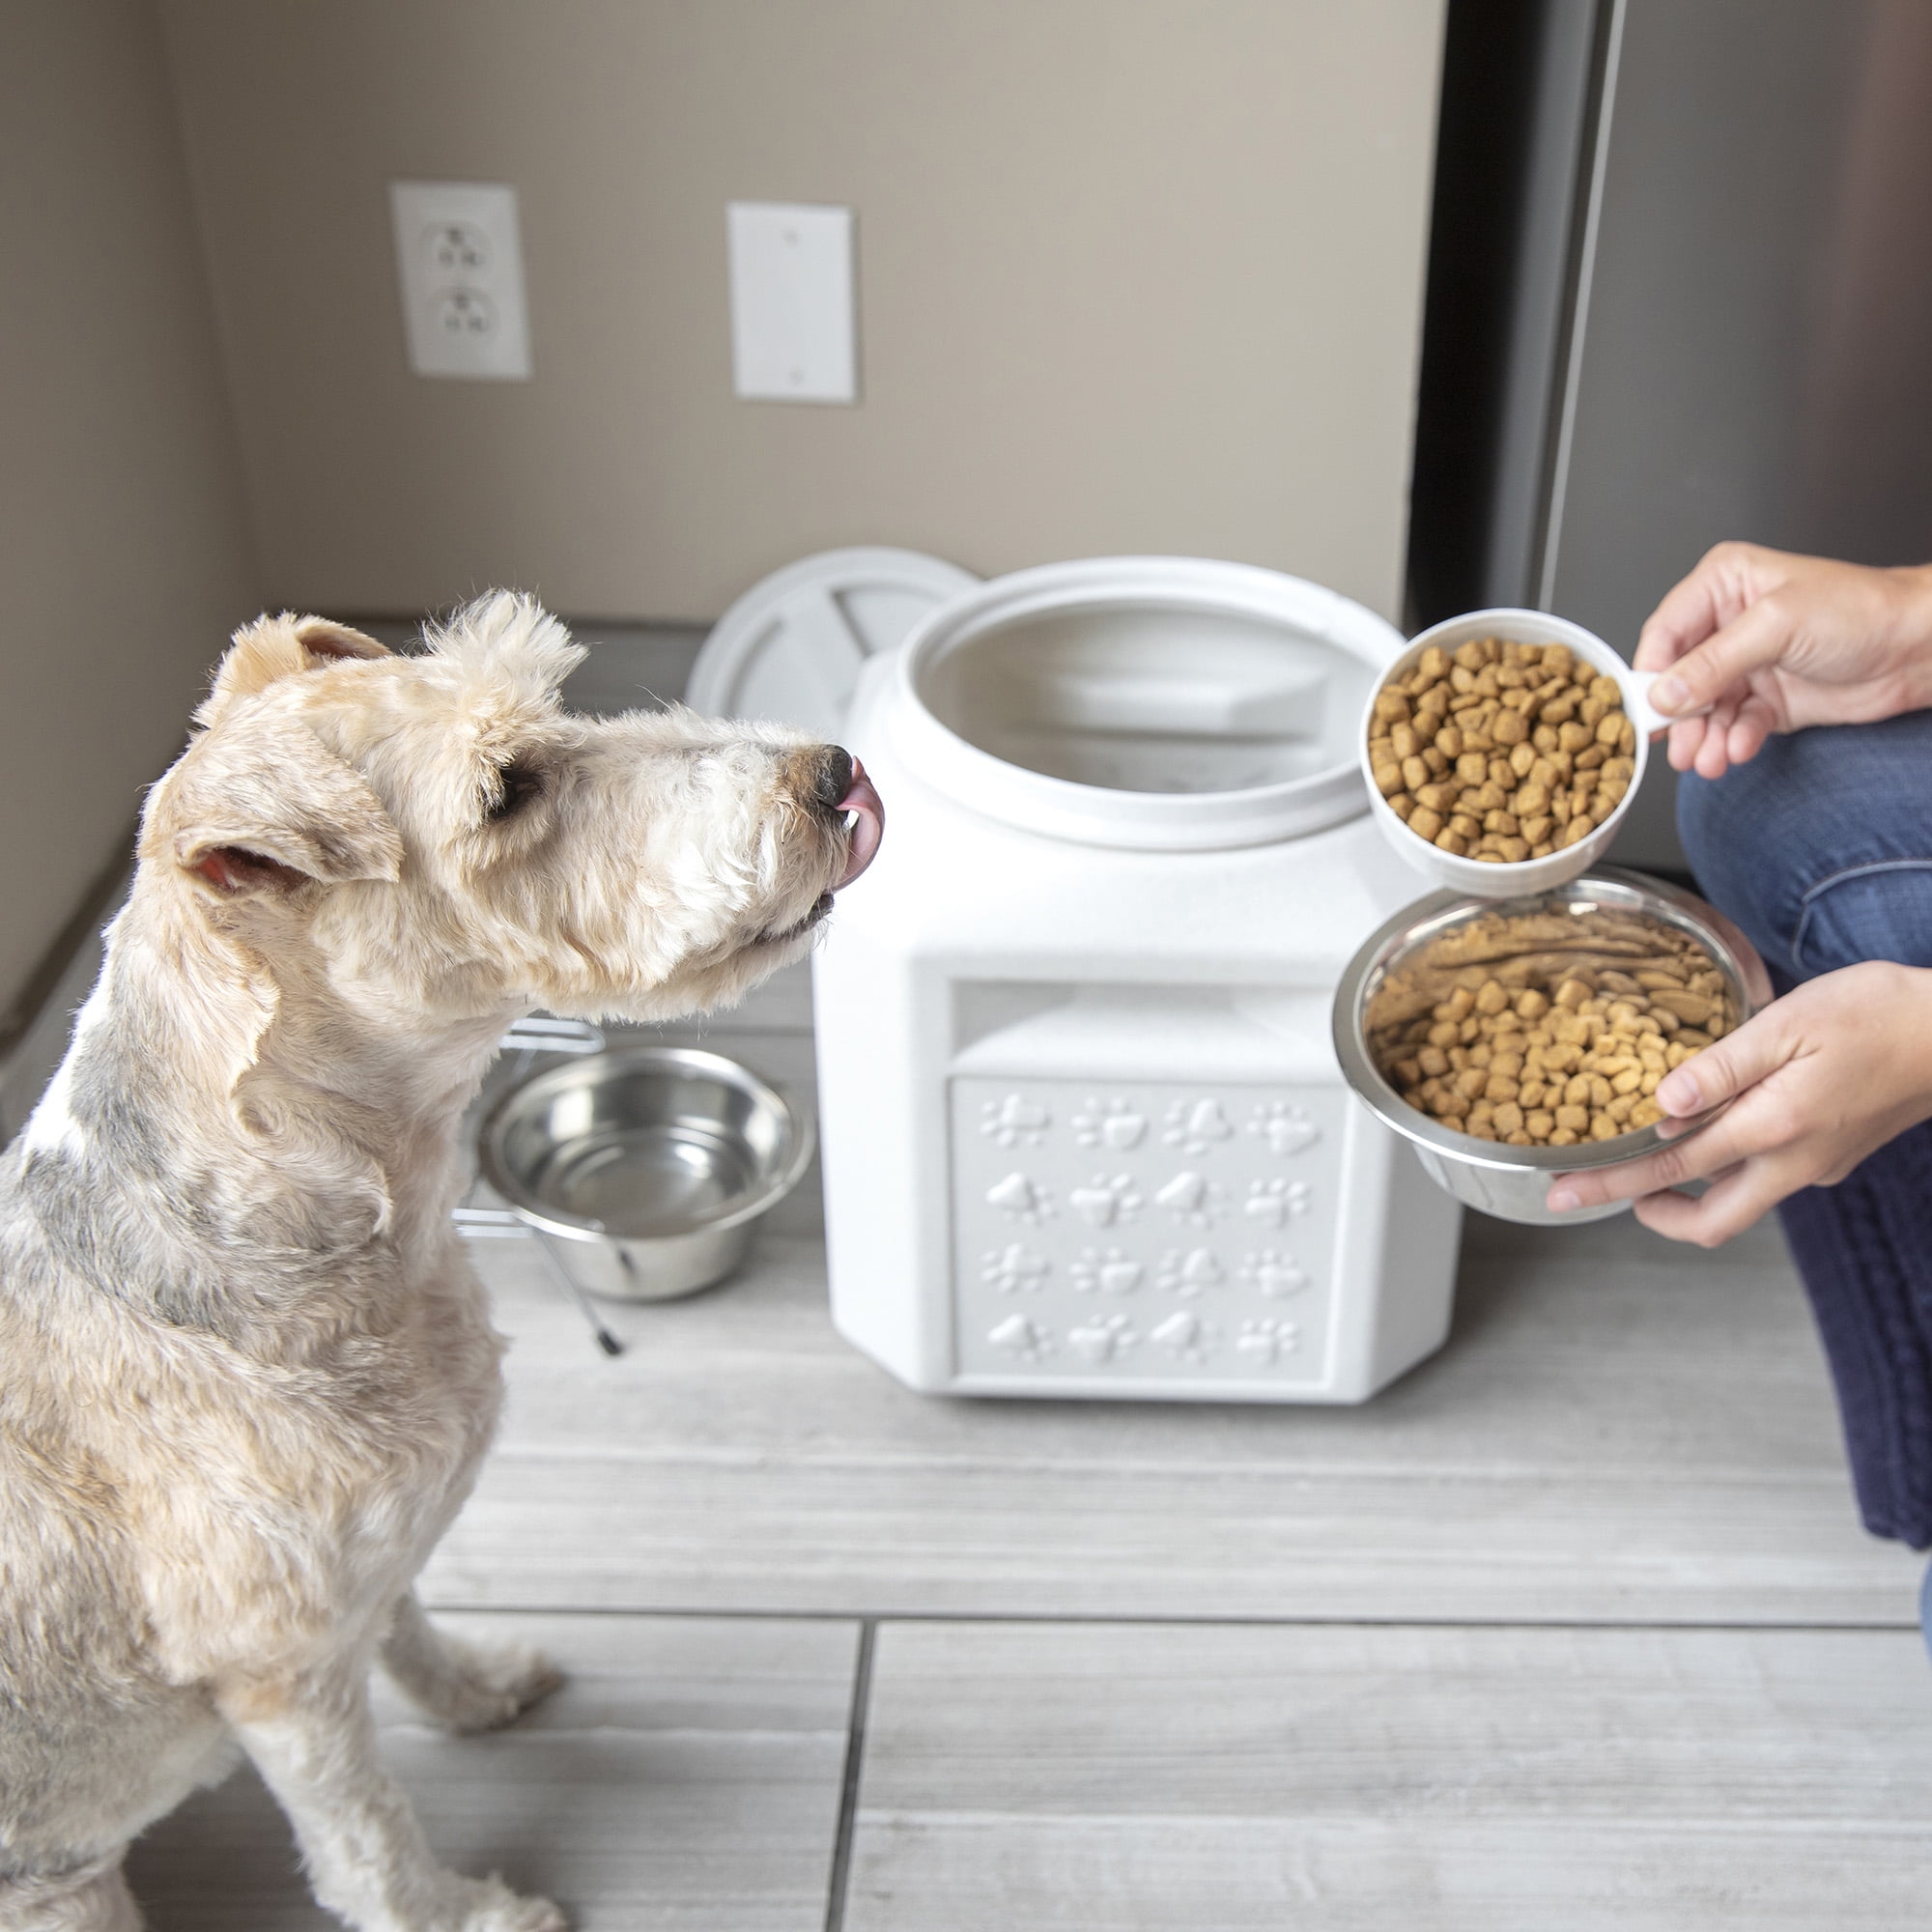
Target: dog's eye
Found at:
519, 785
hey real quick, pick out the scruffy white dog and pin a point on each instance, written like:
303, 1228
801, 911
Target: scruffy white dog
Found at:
246, 1374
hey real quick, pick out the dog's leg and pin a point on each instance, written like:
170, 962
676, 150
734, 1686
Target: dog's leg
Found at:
314, 1743
95, 1900
464, 1686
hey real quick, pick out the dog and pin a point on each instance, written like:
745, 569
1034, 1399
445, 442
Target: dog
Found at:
246, 1373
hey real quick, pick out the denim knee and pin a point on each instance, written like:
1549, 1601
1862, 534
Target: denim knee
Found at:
1821, 846
1757, 879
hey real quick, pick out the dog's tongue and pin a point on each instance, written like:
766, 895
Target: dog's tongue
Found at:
869, 826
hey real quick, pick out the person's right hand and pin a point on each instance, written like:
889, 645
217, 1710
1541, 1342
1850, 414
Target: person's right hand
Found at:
1772, 642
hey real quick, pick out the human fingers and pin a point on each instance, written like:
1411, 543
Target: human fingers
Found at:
1728, 1067
1756, 721
1687, 737
1732, 1202
1696, 1156
1733, 731
1728, 578
1757, 638
1713, 752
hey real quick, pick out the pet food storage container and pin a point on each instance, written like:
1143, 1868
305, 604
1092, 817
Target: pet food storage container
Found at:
1084, 1129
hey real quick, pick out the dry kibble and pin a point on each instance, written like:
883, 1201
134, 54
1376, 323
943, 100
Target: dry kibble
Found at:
1461, 743
1547, 1029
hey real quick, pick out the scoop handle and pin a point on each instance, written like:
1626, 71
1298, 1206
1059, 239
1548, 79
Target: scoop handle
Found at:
1643, 714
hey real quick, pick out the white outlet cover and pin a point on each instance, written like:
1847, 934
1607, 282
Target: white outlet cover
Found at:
460, 266
793, 321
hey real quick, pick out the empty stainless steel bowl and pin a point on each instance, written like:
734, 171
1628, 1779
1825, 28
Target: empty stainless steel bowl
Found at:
645, 1166
1512, 1181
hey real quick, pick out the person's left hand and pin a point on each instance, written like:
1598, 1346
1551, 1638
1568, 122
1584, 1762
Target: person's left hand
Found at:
1822, 1077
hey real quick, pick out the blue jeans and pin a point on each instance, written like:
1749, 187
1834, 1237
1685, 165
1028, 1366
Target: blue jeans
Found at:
1821, 849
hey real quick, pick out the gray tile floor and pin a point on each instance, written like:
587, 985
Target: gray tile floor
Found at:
1572, 1629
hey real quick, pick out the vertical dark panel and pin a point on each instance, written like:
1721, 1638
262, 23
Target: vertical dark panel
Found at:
1865, 449
1724, 201
1476, 245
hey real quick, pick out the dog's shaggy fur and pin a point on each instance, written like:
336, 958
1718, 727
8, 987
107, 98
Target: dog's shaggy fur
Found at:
246, 1374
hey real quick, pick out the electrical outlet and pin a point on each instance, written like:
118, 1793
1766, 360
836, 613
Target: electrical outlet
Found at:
460, 266
792, 308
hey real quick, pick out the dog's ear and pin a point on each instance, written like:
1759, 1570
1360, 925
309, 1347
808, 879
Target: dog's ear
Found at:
277, 648
268, 810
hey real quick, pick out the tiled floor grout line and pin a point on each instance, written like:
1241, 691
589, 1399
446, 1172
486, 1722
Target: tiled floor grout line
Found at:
848, 1791
869, 1620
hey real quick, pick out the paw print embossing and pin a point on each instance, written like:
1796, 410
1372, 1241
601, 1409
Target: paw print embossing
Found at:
1192, 1199
1285, 1129
1106, 1199
1021, 1336
1195, 1129
1106, 1338
1112, 1270
1021, 1199
1187, 1274
1273, 1273
1015, 1122
1266, 1342
1110, 1123
1273, 1201
1014, 1269
1186, 1337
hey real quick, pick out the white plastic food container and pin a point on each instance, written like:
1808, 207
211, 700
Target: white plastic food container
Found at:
1084, 1129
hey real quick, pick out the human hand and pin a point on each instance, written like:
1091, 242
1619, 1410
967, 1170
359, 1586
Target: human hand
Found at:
1772, 642
1822, 1078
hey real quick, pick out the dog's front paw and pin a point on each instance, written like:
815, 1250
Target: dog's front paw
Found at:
493, 1685
489, 1905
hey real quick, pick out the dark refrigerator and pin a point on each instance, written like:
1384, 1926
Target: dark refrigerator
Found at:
1679, 289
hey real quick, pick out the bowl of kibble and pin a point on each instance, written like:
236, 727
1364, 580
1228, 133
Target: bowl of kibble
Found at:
1510, 1040
1502, 750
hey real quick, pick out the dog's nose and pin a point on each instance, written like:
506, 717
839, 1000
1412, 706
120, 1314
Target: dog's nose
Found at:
832, 778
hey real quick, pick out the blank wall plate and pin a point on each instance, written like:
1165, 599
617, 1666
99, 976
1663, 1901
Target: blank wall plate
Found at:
792, 307
459, 264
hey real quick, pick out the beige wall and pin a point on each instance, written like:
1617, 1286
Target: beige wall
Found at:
123, 553
1135, 275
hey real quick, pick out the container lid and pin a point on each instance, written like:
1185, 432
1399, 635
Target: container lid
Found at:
1150, 704
790, 649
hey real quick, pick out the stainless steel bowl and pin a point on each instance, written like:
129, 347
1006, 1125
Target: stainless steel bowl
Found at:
1511, 1182
645, 1166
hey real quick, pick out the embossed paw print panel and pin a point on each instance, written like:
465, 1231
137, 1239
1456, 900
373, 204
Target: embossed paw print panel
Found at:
1156, 1231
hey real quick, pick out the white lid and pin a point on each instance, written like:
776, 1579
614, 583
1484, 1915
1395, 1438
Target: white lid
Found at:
790, 649
1152, 704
